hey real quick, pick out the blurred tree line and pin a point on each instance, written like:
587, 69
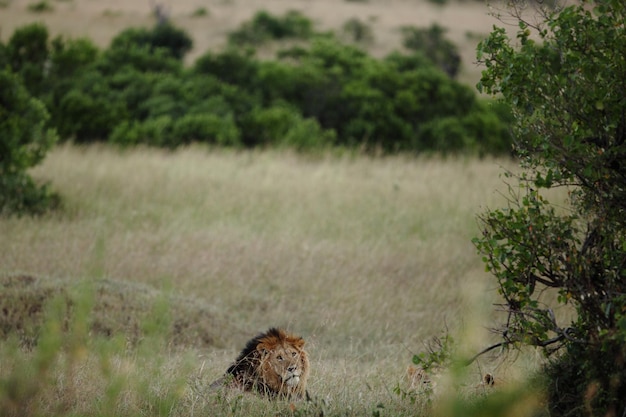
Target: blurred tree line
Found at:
318, 94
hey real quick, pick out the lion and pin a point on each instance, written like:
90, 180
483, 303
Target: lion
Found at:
273, 364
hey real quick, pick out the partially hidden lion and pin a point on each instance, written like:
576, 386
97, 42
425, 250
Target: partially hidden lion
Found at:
273, 364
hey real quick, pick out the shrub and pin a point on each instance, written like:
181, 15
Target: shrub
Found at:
264, 27
27, 53
404, 63
89, 111
432, 43
162, 37
283, 125
208, 128
24, 141
70, 56
233, 66
566, 92
140, 58
156, 131
401, 103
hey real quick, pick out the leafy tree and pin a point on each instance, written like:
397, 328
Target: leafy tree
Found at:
27, 53
565, 80
24, 141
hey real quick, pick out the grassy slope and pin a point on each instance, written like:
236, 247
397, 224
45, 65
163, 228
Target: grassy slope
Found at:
366, 258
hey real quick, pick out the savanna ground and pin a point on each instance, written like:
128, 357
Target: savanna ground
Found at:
367, 258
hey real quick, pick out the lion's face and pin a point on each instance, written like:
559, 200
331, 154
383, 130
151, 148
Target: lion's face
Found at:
284, 365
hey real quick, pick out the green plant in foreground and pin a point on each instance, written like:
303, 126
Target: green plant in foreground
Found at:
70, 370
567, 94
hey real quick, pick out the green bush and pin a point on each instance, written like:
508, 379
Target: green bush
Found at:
68, 57
265, 27
139, 57
233, 66
24, 141
400, 103
157, 131
432, 43
89, 111
283, 125
564, 79
208, 128
27, 53
165, 131
176, 42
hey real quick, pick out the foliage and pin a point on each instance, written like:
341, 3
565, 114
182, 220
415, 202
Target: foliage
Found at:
432, 43
265, 27
285, 126
139, 91
439, 353
162, 36
27, 53
369, 103
566, 93
24, 141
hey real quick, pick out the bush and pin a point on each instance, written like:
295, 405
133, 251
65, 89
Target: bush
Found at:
401, 103
566, 92
176, 42
233, 66
24, 141
89, 111
208, 128
27, 53
283, 125
140, 58
264, 27
71, 56
432, 43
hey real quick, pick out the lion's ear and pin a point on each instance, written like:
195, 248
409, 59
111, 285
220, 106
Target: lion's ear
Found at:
262, 349
296, 341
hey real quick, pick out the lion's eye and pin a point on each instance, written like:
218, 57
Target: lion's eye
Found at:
293, 354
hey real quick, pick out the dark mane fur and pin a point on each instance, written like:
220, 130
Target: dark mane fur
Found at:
249, 353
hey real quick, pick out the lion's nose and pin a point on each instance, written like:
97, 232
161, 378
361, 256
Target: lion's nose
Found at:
292, 368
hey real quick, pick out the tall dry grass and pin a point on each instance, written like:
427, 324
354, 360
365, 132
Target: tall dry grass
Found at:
366, 258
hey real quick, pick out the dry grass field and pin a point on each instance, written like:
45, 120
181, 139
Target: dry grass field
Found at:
367, 258
173, 260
